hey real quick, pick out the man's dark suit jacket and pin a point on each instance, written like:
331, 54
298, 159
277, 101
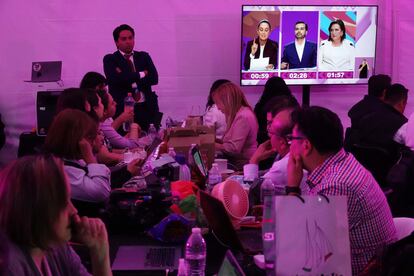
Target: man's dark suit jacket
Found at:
121, 77
270, 51
374, 123
308, 58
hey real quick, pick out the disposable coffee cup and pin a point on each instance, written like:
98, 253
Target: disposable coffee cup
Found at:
222, 164
250, 172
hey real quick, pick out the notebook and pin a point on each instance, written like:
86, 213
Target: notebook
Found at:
146, 257
248, 241
46, 71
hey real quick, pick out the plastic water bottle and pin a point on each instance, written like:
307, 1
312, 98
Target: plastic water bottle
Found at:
171, 152
152, 132
195, 253
268, 227
214, 176
181, 267
185, 173
129, 103
267, 189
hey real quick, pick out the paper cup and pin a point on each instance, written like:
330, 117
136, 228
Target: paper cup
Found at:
221, 163
250, 172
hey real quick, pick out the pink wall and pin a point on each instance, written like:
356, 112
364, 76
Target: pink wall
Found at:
191, 42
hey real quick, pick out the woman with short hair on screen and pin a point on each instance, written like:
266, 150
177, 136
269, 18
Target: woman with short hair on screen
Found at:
39, 219
337, 53
262, 46
239, 140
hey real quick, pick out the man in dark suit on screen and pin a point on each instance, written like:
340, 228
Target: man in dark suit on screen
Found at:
300, 53
130, 71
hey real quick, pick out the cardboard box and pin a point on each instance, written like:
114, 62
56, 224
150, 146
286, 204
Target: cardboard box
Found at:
182, 138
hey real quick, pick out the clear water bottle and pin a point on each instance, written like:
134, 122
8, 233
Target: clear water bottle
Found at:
152, 132
268, 230
267, 189
171, 152
185, 173
129, 103
214, 176
181, 267
195, 253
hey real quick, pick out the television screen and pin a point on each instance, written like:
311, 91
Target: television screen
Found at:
308, 44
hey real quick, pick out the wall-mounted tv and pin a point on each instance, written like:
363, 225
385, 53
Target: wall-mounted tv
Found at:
308, 44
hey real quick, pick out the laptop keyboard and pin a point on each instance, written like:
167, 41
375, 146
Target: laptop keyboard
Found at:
160, 257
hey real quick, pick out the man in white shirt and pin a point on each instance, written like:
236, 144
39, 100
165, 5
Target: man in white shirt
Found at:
300, 53
279, 127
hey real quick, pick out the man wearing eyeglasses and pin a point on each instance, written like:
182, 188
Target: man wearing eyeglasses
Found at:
280, 126
317, 146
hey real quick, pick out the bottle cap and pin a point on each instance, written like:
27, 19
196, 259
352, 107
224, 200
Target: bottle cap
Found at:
129, 94
196, 230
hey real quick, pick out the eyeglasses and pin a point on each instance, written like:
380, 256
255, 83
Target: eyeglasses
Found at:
290, 138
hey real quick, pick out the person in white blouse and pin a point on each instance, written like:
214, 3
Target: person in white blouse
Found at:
73, 136
336, 53
213, 116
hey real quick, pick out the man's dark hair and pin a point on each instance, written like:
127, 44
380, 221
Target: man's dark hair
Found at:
280, 103
92, 79
377, 84
120, 28
301, 22
321, 127
74, 98
341, 25
395, 94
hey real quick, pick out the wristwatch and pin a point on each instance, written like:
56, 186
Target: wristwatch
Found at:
289, 190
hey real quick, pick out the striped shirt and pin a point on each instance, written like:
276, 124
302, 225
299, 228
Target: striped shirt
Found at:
370, 221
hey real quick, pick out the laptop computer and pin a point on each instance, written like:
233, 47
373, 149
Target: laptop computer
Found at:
248, 241
46, 71
230, 266
147, 258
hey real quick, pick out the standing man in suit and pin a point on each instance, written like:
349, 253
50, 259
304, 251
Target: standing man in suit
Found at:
300, 53
132, 71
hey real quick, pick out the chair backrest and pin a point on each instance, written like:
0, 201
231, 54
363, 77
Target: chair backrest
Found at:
375, 159
404, 226
400, 179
